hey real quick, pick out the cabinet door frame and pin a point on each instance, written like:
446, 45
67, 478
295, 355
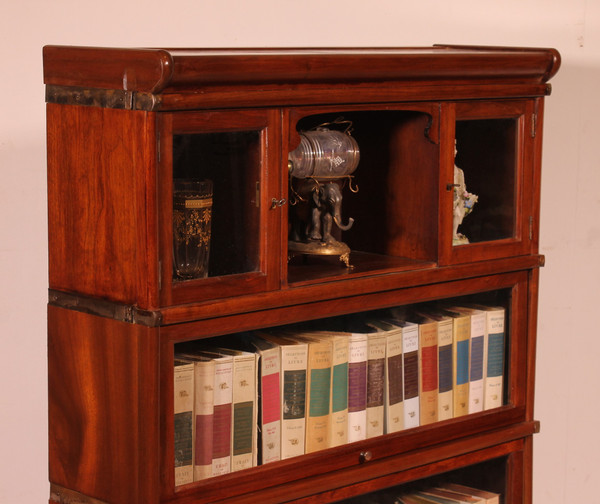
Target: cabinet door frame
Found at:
522, 241
266, 275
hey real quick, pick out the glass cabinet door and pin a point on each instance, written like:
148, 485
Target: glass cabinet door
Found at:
487, 181
214, 192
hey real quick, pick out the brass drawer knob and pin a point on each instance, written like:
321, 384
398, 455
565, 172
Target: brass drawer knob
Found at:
365, 456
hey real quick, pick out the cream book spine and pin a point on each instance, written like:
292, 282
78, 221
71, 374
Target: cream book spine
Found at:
428, 371
476, 358
445, 397
494, 358
222, 424
357, 387
244, 416
410, 352
318, 371
477, 365
204, 377
183, 395
376, 346
394, 380
269, 444
339, 391
294, 360
460, 362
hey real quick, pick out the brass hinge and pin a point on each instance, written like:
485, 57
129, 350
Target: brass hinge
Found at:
530, 228
103, 308
533, 125
159, 275
106, 98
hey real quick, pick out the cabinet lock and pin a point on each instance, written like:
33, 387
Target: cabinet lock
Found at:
277, 203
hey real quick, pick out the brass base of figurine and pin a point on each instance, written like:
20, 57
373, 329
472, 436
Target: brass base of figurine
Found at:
320, 248
460, 239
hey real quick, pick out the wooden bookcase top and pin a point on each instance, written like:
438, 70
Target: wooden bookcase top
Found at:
164, 73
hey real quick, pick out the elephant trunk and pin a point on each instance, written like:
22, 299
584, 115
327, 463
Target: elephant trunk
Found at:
338, 222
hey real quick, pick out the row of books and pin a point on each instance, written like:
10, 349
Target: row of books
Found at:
448, 494
276, 394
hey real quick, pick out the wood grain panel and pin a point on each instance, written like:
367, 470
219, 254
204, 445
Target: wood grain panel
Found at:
103, 407
102, 233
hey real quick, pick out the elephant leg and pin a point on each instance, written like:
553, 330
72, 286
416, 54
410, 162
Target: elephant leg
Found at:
327, 224
315, 231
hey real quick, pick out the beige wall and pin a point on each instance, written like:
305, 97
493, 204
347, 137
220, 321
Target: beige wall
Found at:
567, 450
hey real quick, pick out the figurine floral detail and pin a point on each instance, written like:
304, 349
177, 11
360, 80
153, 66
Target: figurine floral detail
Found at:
463, 204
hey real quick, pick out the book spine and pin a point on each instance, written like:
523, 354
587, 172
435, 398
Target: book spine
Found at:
183, 422
293, 399
460, 358
376, 344
394, 389
428, 364
445, 399
357, 388
410, 346
270, 411
204, 381
476, 364
339, 392
495, 359
243, 435
319, 401
222, 417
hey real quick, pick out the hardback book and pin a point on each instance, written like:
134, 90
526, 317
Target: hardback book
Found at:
446, 395
294, 361
394, 376
428, 370
445, 380
410, 365
204, 405
222, 419
204, 377
357, 386
339, 391
416, 498
488, 497
269, 394
477, 361
244, 415
318, 394
494, 357
446, 496
183, 394
476, 357
461, 324
376, 346
338, 433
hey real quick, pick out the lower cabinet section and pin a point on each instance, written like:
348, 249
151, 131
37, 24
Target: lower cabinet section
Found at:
500, 468
487, 482
122, 395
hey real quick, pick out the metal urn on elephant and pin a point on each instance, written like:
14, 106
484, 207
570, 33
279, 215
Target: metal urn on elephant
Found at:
320, 168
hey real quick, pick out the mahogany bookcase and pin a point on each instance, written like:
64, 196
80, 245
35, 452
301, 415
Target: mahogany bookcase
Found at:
122, 124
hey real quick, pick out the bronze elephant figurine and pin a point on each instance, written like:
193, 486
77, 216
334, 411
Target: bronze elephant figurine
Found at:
324, 200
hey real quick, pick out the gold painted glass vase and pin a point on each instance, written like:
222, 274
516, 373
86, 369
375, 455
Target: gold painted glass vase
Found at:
192, 215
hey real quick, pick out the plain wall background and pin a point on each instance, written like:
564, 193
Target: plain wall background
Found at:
567, 451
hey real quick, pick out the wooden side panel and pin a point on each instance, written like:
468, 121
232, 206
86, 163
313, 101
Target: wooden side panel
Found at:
103, 407
101, 194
